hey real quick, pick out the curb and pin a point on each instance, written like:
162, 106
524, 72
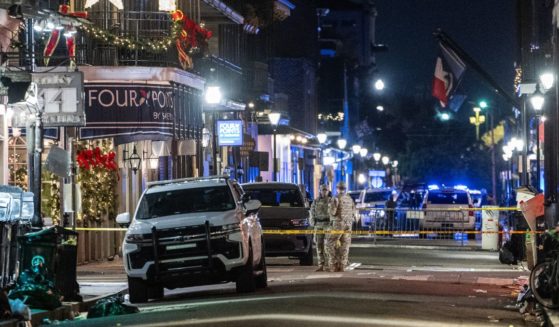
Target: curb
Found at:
425, 247
66, 311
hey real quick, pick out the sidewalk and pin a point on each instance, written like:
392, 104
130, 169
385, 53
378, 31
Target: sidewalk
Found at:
97, 280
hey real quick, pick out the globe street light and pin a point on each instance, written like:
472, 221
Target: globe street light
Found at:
547, 79
356, 149
213, 94
322, 137
385, 160
379, 85
376, 156
363, 152
274, 118
341, 143
537, 100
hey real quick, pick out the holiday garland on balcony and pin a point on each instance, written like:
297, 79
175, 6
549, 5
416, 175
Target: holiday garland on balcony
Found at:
189, 38
98, 177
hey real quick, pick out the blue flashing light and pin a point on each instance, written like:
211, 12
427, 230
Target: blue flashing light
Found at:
460, 187
433, 187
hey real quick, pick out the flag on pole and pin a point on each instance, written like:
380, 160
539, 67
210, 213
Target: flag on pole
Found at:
448, 72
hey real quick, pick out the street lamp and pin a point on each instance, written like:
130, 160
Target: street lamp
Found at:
379, 85
477, 120
363, 152
213, 94
134, 159
547, 79
537, 100
356, 149
385, 160
322, 137
274, 118
376, 156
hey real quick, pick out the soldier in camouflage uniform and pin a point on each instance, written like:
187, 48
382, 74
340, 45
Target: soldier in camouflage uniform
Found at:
320, 219
342, 211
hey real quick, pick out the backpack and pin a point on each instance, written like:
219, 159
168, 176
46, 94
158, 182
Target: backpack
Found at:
505, 254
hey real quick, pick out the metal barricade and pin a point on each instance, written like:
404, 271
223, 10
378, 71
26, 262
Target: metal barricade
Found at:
412, 223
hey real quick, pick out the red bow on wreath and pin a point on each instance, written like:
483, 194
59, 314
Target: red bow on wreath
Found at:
54, 37
191, 38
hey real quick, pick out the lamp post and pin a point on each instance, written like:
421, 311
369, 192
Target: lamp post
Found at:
537, 100
477, 120
342, 144
484, 105
274, 118
322, 137
213, 97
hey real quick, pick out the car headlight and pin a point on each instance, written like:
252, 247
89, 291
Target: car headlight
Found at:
299, 222
136, 238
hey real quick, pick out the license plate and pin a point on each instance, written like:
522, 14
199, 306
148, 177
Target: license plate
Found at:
181, 246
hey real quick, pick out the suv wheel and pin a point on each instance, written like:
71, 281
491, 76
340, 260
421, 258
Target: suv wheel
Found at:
245, 280
261, 280
307, 258
138, 290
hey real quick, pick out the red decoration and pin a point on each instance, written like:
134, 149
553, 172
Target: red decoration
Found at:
191, 38
54, 37
89, 159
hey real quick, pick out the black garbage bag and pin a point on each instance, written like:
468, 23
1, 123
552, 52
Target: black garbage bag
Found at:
505, 254
35, 290
111, 306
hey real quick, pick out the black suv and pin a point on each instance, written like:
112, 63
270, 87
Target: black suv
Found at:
283, 208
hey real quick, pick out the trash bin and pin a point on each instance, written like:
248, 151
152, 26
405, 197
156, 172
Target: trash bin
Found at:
55, 249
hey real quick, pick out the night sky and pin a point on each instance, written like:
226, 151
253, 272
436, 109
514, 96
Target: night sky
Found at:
486, 29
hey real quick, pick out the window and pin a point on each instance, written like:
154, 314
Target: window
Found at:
277, 198
377, 196
447, 198
185, 201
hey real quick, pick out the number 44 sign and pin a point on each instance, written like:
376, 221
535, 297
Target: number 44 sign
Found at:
60, 98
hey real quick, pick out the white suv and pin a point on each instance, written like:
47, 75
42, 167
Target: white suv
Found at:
193, 231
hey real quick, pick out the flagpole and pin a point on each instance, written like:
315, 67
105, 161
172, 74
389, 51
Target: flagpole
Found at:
447, 41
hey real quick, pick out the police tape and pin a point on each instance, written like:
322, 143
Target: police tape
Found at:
339, 232
441, 210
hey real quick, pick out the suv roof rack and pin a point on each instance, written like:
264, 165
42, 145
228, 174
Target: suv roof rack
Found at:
185, 180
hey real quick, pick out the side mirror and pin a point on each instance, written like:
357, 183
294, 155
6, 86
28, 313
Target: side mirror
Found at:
123, 219
252, 207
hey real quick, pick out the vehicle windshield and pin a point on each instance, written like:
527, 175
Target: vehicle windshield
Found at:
276, 198
447, 198
377, 196
183, 201
355, 196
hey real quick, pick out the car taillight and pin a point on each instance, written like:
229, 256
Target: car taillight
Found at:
470, 212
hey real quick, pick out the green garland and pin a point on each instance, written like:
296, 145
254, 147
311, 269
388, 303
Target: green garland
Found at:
50, 196
155, 45
98, 185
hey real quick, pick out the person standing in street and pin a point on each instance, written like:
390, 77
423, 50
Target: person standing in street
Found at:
320, 219
342, 213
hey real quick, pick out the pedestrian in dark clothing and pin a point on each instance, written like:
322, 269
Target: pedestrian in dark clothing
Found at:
390, 206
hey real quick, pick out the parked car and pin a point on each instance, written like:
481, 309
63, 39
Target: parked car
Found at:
284, 208
193, 231
371, 204
443, 210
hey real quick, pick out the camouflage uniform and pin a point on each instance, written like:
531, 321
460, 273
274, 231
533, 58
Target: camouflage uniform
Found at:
320, 219
342, 210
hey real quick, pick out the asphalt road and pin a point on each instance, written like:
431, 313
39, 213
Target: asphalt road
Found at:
385, 286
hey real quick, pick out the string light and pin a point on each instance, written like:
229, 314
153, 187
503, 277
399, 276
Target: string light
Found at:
153, 45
